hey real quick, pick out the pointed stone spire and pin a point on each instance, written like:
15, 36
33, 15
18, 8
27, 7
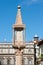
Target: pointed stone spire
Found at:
19, 18
18, 23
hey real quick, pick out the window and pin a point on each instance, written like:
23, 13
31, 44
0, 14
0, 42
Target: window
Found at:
25, 50
11, 51
8, 61
29, 51
5, 61
25, 61
5, 50
1, 61
1, 50
29, 62
12, 60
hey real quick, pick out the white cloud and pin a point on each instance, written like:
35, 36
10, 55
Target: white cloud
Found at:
29, 2
37, 0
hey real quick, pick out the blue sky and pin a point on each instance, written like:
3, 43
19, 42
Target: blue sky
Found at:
32, 16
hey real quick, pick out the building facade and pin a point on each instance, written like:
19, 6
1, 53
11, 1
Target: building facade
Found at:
7, 54
18, 51
40, 44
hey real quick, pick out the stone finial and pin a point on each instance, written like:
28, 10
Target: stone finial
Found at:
19, 7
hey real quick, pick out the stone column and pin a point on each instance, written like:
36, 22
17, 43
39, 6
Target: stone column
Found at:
18, 57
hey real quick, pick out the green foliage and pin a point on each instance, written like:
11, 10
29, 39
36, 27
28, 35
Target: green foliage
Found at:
41, 55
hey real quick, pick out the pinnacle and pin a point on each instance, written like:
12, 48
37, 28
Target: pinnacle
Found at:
19, 18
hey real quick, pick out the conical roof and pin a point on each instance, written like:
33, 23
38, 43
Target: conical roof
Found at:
18, 23
19, 18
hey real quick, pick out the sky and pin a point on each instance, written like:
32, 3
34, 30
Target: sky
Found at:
32, 17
